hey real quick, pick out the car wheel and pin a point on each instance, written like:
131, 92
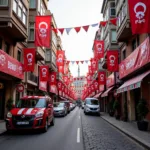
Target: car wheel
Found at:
53, 122
85, 112
46, 126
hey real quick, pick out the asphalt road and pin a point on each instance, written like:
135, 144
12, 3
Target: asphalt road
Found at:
65, 135
76, 131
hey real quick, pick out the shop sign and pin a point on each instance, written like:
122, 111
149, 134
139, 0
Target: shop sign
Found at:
20, 87
110, 80
10, 66
136, 60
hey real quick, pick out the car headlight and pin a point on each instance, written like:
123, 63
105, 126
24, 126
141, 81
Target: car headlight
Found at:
39, 114
9, 115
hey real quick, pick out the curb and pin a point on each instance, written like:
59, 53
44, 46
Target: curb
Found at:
129, 135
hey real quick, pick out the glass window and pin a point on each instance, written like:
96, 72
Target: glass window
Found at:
15, 6
113, 36
20, 10
31, 31
32, 4
3, 2
19, 56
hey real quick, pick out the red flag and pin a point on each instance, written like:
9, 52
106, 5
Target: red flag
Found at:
94, 65
77, 29
102, 78
61, 69
59, 85
65, 78
52, 78
55, 30
98, 49
82, 62
96, 85
114, 21
103, 23
66, 68
112, 60
61, 30
60, 57
85, 28
139, 16
42, 31
90, 70
29, 59
44, 73
77, 62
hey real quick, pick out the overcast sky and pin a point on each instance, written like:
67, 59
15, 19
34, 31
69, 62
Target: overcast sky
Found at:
74, 13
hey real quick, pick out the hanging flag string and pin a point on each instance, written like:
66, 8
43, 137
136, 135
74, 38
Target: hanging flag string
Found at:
86, 27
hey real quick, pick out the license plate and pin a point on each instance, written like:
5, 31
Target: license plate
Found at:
22, 123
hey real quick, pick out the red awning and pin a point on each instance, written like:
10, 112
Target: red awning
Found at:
133, 83
97, 95
106, 92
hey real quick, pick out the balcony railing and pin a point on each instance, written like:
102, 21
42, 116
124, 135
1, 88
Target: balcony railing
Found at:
32, 77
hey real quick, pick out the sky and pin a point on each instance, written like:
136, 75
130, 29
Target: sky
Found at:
75, 13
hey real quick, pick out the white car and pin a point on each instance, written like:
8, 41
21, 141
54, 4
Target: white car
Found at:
91, 106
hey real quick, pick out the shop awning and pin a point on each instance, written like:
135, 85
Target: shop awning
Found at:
133, 83
107, 92
97, 95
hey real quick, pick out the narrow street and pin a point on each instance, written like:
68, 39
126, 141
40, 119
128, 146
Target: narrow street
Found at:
67, 135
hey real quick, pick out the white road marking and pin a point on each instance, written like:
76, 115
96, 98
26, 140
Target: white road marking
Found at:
79, 117
78, 135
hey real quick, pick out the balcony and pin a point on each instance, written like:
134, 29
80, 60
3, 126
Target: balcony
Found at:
40, 54
11, 24
32, 79
124, 27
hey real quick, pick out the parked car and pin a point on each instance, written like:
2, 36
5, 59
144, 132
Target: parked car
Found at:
92, 106
31, 112
60, 109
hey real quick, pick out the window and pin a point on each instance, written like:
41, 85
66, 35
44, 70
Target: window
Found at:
112, 9
32, 4
113, 36
20, 10
41, 8
6, 48
133, 44
124, 54
54, 38
19, 55
3, 2
31, 31
53, 58
48, 55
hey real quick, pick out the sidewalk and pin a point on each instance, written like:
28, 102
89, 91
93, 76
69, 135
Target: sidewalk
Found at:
2, 127
130, 129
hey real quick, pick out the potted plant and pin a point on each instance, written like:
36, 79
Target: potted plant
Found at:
9, 104
111, 110
125, 112
142, 111
116, 109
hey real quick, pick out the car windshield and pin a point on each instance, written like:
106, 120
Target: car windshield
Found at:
31, 103
92, 101
59, 105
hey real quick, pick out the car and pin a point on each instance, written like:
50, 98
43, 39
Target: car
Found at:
60, 109
31, 112
91, 106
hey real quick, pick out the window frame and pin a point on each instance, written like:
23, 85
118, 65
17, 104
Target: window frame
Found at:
19, 51
112, 35
31, 28
6, 4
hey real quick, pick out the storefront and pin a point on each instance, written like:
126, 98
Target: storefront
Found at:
11, 74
